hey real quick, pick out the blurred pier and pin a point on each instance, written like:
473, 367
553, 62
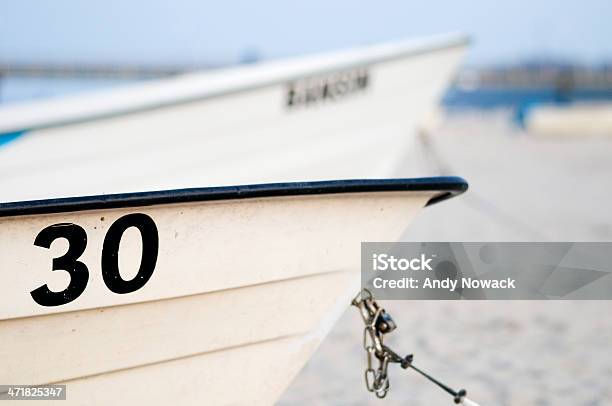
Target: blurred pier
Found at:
94, 71
534, 75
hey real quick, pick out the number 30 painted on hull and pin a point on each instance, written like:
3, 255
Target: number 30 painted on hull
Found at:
79, 274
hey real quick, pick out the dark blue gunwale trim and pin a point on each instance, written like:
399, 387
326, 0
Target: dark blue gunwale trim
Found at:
445, 187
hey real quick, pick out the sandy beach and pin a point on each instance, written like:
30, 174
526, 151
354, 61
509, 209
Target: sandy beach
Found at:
522, 188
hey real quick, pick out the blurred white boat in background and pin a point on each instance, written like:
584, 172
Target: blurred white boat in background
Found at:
341, 115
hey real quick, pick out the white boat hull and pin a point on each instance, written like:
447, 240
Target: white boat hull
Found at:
246, 283
232, 126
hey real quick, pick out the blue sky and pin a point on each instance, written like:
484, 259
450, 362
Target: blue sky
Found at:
199, 32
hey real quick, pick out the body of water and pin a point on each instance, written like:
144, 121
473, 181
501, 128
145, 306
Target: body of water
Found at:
494, 98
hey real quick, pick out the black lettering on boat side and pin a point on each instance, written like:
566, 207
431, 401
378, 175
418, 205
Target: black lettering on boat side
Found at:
79, 274
319, 89
110, 253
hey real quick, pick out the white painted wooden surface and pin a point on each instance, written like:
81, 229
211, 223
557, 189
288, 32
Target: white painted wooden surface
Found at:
204, 247
242, 293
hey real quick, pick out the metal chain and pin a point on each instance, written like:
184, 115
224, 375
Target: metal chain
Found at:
378, 323
377, 380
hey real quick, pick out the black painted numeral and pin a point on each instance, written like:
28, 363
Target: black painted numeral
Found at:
79, 274
110, 253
